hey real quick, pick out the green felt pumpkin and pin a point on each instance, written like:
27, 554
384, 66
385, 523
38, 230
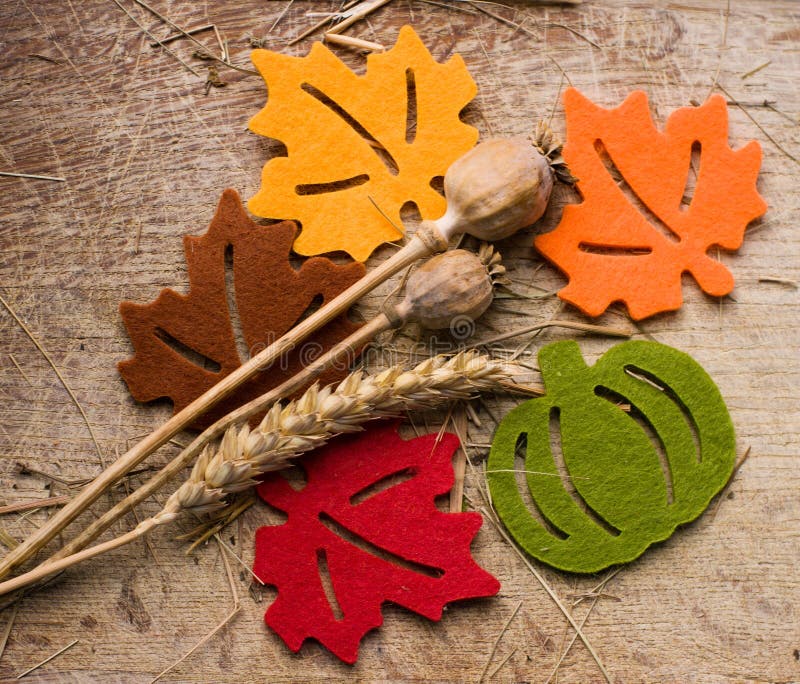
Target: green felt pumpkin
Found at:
633, 476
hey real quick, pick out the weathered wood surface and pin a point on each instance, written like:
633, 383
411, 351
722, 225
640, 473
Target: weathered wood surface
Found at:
146, 154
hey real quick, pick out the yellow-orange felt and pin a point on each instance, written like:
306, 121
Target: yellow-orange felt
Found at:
355, 153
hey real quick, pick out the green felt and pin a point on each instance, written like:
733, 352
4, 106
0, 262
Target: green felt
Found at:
618, 502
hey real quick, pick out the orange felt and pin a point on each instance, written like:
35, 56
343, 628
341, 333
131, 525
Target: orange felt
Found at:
325, 115
633, 247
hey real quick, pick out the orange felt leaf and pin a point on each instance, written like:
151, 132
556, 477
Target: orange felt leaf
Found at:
633, 247
185, 344
353, 159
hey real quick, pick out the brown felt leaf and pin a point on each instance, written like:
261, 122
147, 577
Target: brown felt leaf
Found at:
184, 344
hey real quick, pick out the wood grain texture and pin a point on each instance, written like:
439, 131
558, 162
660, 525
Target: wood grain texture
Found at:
146, 154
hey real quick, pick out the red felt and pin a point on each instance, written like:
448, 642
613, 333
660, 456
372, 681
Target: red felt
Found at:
401, 519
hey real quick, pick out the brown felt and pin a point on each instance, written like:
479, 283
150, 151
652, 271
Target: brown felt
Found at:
271, 296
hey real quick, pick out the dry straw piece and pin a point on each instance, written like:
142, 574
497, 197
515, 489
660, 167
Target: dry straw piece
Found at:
299, 426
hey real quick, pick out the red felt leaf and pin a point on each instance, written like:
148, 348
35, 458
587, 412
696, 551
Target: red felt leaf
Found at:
377, 544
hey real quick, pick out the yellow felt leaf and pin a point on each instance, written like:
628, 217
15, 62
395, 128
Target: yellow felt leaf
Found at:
352, 164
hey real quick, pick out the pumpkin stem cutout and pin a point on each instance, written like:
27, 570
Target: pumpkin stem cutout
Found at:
628, 477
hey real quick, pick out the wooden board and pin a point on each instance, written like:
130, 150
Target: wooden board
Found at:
146, 152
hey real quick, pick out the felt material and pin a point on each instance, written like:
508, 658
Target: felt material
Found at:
270, 297
611, 457
329, 141
429, 564
613, 249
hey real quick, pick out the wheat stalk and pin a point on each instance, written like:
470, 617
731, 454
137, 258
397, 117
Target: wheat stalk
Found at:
449, 287
299, 426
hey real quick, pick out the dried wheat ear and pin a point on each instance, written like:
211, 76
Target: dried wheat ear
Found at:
302, 425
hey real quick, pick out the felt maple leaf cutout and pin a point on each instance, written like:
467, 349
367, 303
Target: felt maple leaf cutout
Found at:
375, 538
635, 250
270, 297
353, 160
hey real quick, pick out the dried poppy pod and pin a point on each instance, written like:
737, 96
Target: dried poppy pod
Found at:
449, 287
497, 188
501, 186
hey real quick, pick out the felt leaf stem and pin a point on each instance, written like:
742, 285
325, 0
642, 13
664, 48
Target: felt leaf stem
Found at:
617, 496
